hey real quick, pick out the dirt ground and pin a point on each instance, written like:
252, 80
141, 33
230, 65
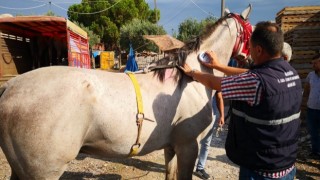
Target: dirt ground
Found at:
151, 166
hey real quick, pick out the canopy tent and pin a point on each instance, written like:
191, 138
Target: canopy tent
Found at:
165, 42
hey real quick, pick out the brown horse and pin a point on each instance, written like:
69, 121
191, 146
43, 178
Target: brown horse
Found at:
49, 115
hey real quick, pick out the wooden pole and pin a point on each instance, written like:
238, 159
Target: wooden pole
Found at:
155, 11
222, 8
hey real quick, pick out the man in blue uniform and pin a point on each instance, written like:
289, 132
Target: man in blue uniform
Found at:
264, 125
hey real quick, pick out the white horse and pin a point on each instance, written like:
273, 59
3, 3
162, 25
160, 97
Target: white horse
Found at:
49, 115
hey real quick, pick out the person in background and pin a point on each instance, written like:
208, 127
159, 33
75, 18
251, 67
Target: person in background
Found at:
233, 62
286, 51
265, 117
218, 109
312, 90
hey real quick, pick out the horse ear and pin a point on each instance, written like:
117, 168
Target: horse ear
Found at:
245, 14
226, 11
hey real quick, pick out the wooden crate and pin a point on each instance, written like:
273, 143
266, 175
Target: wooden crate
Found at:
298, 17
298, 10
301, 27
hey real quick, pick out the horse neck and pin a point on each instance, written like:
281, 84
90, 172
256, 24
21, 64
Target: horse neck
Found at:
221, 41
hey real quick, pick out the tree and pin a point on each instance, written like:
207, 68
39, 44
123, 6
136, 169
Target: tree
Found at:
154, 16
50, 13
133, 33
188, 29
112, 15
191, 28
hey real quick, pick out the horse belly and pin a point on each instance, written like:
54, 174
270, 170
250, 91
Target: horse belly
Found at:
114, 135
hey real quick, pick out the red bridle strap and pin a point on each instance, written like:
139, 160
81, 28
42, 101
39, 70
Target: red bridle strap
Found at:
244, 32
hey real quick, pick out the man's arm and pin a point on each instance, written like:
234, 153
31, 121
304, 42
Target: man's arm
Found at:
306, 88
230, 82
215, 64
208, 80
220, 105
229, 71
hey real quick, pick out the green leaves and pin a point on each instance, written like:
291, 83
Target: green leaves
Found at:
133, 32
105, 18
191, 28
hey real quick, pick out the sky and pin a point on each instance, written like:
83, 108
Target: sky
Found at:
173, 12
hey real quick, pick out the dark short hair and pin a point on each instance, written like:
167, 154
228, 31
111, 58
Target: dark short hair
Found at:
269, 36
317, 56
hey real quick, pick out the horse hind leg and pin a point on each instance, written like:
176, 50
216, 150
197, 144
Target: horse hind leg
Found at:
39, 174
37, 168
170, 163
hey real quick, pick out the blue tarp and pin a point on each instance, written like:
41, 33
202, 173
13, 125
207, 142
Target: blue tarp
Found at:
131, 63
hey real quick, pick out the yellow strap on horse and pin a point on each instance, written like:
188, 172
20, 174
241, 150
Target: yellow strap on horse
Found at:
137, 90
140, 116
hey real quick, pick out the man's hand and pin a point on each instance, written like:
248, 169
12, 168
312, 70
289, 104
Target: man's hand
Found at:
186, 69
214, 62
221, 121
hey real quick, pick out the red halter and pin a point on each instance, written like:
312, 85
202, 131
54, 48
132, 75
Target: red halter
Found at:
244, 32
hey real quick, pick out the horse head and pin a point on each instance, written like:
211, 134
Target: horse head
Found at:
228, 37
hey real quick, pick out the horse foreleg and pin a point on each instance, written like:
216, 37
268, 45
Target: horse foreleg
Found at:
171, 163
186, 158
14, 176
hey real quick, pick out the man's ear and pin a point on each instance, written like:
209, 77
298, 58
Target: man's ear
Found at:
259, 50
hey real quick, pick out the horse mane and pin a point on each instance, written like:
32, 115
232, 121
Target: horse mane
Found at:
210, 28
181, 54
179, 58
